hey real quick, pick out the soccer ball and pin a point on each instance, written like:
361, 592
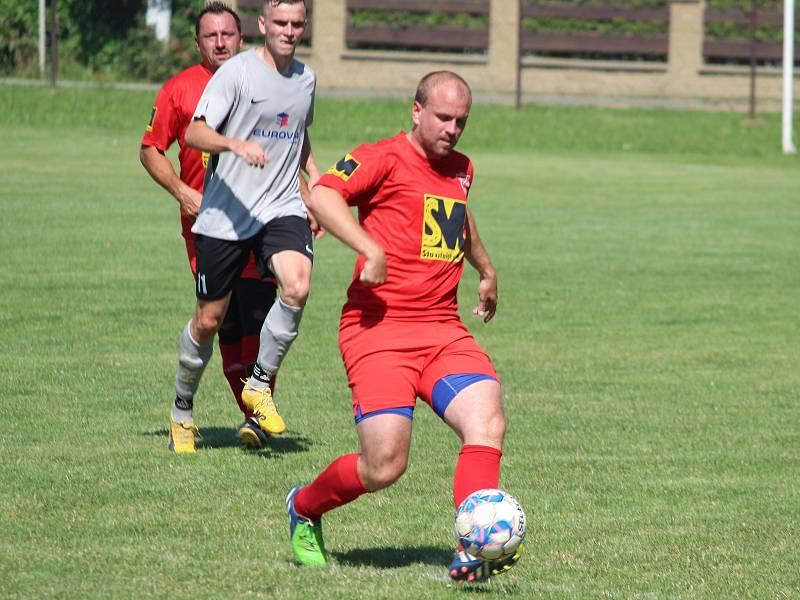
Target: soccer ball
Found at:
490, 524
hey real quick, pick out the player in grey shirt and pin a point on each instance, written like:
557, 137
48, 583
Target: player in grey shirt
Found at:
252, 119
250, 100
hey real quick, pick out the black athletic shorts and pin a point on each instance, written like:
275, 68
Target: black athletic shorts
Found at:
221, 262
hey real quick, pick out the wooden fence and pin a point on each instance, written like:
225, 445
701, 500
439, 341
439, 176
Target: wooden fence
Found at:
739, 49
593, 44
424, 38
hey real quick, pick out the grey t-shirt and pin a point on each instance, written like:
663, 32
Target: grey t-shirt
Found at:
249, 100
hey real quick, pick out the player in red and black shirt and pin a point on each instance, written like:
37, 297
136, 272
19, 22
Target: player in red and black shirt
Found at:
400, 333
219, 37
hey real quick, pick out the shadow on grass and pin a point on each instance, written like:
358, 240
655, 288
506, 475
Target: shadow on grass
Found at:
392, 558
388, 558
226, 437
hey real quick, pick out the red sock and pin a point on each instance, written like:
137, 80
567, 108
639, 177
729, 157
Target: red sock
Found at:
478, 468
338, 484
234, 371
249, 351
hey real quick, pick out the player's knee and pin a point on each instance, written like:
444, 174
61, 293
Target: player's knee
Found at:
494, 420
207, 323
295, 292
383, 478
496, 428
488, 430
385, 474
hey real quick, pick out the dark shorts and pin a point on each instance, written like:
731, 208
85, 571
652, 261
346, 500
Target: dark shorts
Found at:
250, 301
250, 271
220, 262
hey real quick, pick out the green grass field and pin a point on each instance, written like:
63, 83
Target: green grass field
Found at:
647, 336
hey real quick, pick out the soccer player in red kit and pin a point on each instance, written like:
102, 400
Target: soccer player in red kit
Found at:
400, 333
219, 37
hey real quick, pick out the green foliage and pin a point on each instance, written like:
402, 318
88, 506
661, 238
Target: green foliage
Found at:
636, 3
137, 55
746, 5
734, 31
396, 19
615, 26
101, 40
737, 31
18, 42
92, 25
140, 56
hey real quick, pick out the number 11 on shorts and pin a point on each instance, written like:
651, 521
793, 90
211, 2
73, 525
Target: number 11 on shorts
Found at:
201, 284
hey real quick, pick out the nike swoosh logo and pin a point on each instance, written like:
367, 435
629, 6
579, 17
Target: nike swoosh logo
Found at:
309, 250
257, 100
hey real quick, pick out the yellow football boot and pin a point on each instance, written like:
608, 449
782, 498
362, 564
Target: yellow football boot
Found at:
264, 411
182, 437
251, 436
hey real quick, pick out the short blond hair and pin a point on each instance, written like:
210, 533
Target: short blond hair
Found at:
269, 3
435, 78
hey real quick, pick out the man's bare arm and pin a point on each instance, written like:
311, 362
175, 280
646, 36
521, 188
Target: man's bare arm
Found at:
308, 163
335, 216
476, 254
199, 135
161, 170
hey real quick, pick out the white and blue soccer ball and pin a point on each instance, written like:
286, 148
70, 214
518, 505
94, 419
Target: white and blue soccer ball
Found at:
490, 524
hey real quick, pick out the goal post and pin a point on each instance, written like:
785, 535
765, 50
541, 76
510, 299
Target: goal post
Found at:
788, 75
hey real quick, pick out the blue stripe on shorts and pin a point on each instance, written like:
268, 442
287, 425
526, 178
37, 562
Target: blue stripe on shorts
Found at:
403, 411
448, 387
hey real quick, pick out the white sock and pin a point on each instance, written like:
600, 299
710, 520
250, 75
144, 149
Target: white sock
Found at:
181, 415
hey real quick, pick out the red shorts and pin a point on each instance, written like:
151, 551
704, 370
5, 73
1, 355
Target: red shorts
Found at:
392, 363
250, 271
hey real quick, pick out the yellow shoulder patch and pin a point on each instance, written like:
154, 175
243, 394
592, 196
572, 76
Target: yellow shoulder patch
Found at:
152, 118
345, 168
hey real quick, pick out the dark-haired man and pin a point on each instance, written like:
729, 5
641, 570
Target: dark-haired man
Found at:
400, 334
218, 35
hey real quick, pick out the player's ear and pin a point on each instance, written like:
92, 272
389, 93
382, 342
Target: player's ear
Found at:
416, 111
262, 25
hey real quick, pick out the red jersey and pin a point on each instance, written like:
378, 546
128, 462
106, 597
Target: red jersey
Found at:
172, 114
416, 210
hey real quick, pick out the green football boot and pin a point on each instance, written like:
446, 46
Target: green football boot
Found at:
305, 534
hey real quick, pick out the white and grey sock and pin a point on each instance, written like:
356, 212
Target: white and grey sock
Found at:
192, 361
